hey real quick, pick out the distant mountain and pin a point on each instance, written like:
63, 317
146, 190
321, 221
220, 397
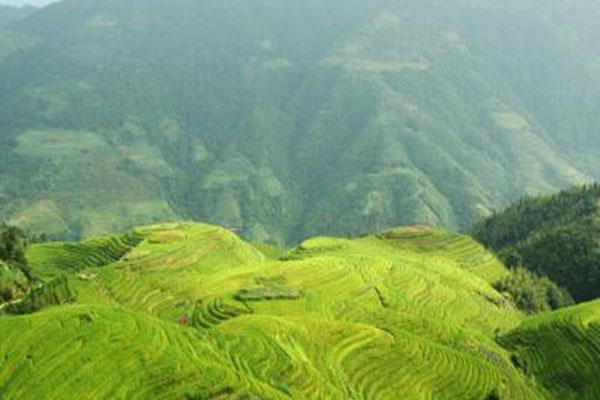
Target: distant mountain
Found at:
26, 3
557, 236
10, 14
289, 118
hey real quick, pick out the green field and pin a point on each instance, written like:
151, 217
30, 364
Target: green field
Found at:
189, 311
562, 350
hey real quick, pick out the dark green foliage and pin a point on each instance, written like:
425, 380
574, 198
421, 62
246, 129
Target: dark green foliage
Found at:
15, 273
7, 293
53, 293
9, 14
268, 292
494, 395
555, 236
531, 293
13, 283
13, 245
516, 223
519, 363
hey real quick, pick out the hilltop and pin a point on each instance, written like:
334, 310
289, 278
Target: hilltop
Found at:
10, 14
556, 236
290, 118
190, 311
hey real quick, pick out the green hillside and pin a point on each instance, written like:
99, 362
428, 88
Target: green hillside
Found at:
10, 14
556, 236
561, 350
189, 311
290, 118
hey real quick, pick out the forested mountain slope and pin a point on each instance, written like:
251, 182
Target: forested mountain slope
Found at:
9, 14
287, 118
556, 236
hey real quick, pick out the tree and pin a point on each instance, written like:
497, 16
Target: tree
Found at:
7, 293
13, 245
13, 249
531, 293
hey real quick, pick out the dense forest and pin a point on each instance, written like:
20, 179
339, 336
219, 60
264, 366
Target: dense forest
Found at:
555, 236
10, 15
292, 118
531, 293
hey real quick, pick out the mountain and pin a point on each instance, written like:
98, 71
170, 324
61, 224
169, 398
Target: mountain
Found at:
190, 311
291, 118
9, 14
556, 236
26, 3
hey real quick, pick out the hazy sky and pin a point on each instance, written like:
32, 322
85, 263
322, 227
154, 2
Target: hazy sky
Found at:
24, 2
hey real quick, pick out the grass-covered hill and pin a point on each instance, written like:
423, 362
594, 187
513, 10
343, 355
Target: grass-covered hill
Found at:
189, 311
286, 118
557, 236
561, 349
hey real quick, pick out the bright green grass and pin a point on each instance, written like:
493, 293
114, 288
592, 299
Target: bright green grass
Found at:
562, 349
408, 314
52, 259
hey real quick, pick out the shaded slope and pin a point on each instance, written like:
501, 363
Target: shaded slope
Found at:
557, 236
10, 14
285, 119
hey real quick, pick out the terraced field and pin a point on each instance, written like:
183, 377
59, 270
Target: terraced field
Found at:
56, 258
189, 311
563, 350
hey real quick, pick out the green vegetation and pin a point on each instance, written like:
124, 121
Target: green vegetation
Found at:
9, 14
282, 120
531, 293
285, 119
190, 311
15, 273
13, 245
561, 350
13, 282
54, 258
555, 236
271, 292
55, 292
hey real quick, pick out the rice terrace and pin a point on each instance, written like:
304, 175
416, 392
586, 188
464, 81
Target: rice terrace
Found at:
189, 310
299, 200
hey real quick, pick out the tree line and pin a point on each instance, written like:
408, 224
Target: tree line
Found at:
557, 237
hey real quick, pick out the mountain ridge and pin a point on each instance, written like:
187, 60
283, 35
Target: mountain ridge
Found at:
556, 235
288, 120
